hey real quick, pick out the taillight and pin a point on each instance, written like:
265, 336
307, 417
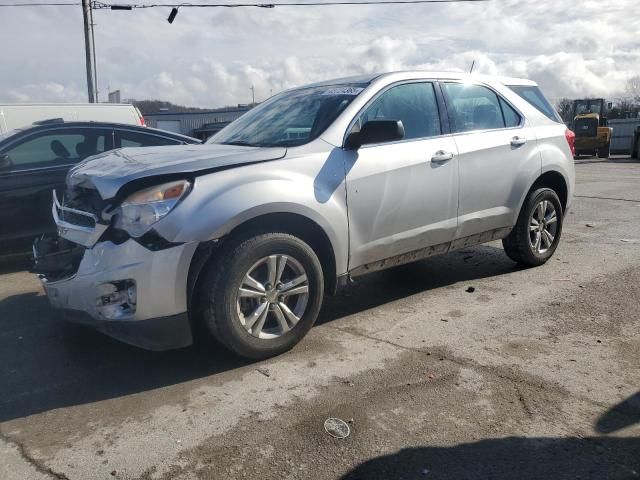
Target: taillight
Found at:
571, 140
142, 122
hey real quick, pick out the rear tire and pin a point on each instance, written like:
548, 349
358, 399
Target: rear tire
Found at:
250, 311
532, 242
604, 152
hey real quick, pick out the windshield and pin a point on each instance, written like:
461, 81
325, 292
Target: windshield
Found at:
292, 118
588, 106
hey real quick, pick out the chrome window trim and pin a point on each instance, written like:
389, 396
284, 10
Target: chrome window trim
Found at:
37, 169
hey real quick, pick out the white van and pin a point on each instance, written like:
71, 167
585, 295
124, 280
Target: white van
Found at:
22, 115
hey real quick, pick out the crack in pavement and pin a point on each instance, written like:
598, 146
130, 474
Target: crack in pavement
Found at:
490, 370
608, 198
38, 465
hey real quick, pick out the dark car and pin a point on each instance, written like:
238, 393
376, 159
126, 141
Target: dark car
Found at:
35, 160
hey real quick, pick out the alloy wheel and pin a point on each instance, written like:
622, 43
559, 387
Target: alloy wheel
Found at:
543, 227
273, 296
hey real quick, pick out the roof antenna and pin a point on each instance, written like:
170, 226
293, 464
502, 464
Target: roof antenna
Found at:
473, 64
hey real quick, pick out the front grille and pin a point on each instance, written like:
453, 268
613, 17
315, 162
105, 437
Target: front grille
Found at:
586, 127
76, 219
84, 199
80, 206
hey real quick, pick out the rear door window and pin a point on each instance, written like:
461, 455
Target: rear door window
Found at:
56, 148
511, 117
535, 97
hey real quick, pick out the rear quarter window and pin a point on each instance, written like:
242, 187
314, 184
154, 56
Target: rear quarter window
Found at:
535, 97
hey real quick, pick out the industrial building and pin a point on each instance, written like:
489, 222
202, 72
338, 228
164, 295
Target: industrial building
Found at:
200, 125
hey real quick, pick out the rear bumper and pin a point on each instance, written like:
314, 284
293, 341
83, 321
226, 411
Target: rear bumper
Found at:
131, 293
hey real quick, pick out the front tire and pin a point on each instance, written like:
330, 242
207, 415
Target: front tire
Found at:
536, 235
262, 294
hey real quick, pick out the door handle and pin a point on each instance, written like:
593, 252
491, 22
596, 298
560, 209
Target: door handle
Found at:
518, 141
441, 156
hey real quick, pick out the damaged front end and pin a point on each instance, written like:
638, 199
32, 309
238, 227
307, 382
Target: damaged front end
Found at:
85, 226
55, 258
129, 288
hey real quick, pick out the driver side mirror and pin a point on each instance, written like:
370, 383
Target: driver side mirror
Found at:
376, 131
5, 163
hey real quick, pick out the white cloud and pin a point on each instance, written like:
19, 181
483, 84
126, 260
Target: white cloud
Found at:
212, 57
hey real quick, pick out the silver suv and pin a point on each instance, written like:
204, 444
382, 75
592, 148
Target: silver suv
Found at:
244, 235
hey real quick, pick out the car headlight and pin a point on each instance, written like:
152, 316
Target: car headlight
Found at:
142, 209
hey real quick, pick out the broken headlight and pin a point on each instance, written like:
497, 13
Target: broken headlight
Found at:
142, 209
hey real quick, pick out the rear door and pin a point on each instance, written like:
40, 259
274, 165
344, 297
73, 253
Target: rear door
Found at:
497, 155
38, 163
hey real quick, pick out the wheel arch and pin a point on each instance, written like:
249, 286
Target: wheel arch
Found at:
295, 224
554, 180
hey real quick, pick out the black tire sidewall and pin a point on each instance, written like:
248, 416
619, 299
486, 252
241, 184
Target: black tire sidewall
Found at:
240, 258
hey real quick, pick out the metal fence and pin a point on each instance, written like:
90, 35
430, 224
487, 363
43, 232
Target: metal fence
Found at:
622, 136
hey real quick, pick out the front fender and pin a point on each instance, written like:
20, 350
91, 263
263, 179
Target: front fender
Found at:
312, 186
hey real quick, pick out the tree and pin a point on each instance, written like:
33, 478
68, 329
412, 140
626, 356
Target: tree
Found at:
633, 88
624, 108
565, 109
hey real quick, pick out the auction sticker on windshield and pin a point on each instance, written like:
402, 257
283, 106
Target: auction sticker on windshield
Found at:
343, 91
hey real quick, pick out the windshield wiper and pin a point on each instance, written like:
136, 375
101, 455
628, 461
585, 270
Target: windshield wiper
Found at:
239, 144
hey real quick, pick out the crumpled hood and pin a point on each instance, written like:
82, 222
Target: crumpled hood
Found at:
109, 171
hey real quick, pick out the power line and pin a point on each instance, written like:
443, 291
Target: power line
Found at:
98, 5
48, 4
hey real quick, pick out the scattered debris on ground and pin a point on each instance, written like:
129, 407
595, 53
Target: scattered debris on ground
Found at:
337, 428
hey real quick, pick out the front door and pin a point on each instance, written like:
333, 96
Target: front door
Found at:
402, 195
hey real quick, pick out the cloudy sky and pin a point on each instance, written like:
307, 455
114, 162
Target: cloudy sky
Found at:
211, 57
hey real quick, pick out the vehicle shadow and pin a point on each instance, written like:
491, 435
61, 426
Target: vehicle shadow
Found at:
510, 458
384, 287
46, 363
620, 416
15, 262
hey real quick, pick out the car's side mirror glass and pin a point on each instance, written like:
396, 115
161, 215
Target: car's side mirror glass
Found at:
5, 163
376, 131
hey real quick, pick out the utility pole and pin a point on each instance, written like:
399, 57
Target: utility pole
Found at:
90, 52
253, 96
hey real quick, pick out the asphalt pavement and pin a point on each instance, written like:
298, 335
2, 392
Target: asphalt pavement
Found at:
535, 374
